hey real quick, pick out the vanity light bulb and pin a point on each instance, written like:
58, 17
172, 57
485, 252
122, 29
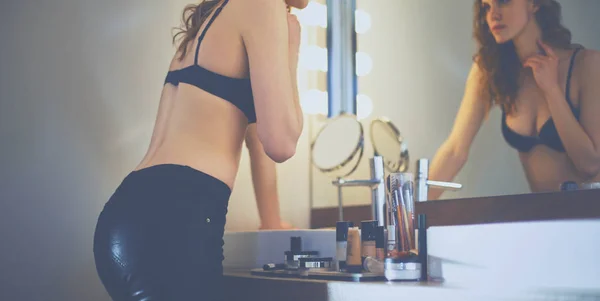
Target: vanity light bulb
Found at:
364, 106
314, 58
362, 21
364, 64
315, 14
314, 102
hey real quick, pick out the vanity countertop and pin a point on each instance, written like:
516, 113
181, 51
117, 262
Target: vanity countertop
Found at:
497, 223
242, 285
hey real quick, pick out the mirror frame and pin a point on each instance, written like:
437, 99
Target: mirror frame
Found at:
360, 147
405, 163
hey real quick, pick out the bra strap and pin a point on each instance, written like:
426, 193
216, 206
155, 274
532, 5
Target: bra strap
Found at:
569, 73
212, 19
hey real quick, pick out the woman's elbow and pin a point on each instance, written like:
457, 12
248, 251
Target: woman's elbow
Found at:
456, 153
281, 152
589, 168
280, 146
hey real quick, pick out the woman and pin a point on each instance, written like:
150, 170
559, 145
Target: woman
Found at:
264, 182
160, 235
547, 89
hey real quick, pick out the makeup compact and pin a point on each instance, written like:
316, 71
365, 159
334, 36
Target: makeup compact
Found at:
293, 256
316, 264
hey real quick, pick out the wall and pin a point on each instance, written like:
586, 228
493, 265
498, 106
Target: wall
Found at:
79, 88
418, 80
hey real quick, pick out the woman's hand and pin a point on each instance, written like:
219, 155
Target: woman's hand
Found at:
300, 4
545, 70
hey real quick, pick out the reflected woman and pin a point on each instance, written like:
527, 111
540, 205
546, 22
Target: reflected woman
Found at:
160, 235
547, 88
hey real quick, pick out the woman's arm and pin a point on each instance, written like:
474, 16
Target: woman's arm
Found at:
294, 39
452, 155
580, 138
266, 37
264, 180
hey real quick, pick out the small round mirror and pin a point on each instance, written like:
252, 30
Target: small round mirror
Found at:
339, 145
388, 143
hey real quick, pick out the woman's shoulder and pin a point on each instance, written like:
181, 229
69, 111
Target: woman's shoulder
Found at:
587, 60
585, 54
254, 5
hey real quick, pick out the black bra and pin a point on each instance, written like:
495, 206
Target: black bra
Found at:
548, 134
237, 91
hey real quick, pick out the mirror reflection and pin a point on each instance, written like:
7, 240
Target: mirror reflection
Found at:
388, 143
428, 79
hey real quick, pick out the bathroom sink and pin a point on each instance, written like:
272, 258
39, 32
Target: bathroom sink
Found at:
253, 249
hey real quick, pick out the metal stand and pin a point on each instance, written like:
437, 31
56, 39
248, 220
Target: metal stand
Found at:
376, 183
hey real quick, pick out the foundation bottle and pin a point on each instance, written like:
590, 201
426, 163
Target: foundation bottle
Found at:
380, 242
353, 256
341, 243
368, 237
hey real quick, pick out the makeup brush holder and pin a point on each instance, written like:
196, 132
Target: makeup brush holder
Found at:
405, 265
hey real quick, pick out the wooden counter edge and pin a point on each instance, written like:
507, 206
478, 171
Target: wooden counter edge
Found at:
580, 204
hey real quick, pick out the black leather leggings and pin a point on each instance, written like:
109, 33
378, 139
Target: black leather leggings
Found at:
160, 236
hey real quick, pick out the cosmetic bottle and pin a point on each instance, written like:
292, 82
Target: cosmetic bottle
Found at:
353, 256
341, 243
368, 238
422, 239
392, 245
380, 242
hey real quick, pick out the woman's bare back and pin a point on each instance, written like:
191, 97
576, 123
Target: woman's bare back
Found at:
196, 128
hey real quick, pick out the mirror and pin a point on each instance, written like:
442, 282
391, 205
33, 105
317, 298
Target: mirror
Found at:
388, 143
338, 146
419, 86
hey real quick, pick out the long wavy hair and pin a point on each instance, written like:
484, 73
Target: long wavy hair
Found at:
499, 62
193, 17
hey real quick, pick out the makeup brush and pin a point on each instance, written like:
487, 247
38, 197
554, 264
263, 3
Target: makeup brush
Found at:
406, 239
409, 203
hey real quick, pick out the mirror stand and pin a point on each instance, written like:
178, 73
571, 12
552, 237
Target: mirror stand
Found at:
375, 183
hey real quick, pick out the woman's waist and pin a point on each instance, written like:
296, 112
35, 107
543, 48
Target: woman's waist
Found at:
219, 162
550, 174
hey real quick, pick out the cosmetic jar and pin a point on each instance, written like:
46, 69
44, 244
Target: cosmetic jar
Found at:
402, 268
568, 186
373, 265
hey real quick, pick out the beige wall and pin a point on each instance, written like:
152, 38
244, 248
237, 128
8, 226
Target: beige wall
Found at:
79, 88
